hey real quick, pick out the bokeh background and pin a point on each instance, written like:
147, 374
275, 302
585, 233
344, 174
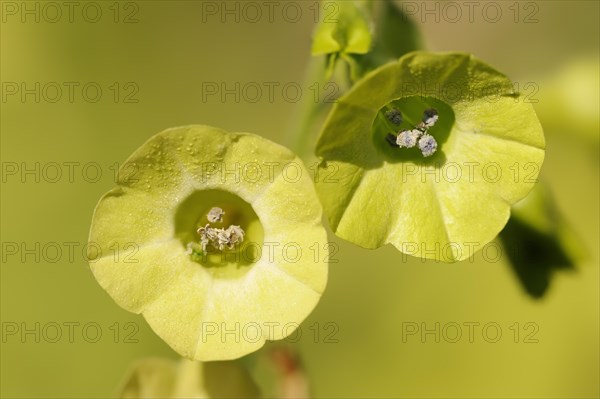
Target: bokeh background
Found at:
161, 61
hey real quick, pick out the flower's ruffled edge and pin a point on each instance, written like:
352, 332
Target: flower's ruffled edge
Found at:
182, 302
372, 202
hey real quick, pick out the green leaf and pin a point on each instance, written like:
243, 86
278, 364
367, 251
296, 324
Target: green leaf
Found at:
445, 206
166, 378
342, 29
538, 241
142, 230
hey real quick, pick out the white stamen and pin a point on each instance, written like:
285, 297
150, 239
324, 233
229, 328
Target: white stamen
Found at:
427, 145
408, 138
215, 215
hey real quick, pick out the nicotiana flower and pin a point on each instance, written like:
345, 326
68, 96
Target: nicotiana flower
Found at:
345, 34
451, 195
216, 239
167, 378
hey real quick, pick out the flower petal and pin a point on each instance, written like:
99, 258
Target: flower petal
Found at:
415, 203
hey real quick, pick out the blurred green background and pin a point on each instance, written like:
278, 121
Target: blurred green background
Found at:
163, 59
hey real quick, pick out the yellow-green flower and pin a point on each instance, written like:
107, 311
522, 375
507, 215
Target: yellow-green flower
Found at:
215, 301
166, 378
451, 194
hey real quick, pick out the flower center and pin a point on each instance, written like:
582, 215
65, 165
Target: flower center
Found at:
217, 237
413, 129
219, 231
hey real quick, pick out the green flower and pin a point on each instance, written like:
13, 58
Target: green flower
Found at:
166, 378
342, 31
364, 34
451, 194
213, 283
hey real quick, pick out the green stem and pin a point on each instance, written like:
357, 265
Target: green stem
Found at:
300, 133
304, 128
